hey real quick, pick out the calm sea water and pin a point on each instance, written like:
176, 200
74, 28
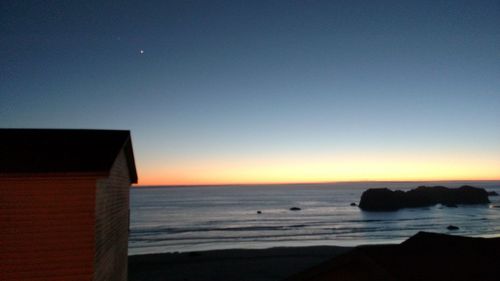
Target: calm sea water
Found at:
223, 217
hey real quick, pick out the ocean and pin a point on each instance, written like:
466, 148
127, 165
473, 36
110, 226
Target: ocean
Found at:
184, 219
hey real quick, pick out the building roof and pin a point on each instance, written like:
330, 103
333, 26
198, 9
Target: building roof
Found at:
37, 151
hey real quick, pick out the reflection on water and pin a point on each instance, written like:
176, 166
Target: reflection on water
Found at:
202, 218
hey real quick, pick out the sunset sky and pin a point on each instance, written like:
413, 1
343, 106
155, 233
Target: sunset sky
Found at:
265, 91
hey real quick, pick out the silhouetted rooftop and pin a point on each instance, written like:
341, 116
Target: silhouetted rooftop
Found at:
63, 151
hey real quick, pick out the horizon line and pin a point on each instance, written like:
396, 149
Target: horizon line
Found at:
309, 183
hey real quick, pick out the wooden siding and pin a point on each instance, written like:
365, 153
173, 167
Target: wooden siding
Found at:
47, 228
112, 219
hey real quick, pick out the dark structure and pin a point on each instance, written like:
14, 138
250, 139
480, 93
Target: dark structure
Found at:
384, 199
64, 200
425, 256
492, 193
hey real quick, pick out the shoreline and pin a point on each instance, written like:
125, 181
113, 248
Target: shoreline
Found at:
234, 264
431, 256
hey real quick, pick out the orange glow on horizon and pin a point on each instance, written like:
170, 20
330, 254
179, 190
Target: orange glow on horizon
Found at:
323, 169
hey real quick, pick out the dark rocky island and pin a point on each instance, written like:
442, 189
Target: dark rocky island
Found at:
384, 199
492, 193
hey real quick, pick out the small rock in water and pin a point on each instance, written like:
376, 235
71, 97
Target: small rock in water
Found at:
259, 212
452, 227
492, 193
295, 209
353, 204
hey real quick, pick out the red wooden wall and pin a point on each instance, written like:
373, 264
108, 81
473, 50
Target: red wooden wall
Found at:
47, 228
112, 218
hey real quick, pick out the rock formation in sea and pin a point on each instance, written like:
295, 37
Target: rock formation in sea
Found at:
492, 193
384, 199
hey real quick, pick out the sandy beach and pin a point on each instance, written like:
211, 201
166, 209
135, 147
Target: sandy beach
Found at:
424, 256
242, 265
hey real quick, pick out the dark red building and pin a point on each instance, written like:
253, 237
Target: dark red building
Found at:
64, 204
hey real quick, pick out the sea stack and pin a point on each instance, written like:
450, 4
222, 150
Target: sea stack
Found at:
384, 199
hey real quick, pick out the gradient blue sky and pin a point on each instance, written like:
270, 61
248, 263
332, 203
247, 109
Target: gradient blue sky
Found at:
265, 91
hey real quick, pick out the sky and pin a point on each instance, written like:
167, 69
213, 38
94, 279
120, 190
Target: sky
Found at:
224, 92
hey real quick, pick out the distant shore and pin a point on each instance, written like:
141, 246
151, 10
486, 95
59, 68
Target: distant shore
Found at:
230, 265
